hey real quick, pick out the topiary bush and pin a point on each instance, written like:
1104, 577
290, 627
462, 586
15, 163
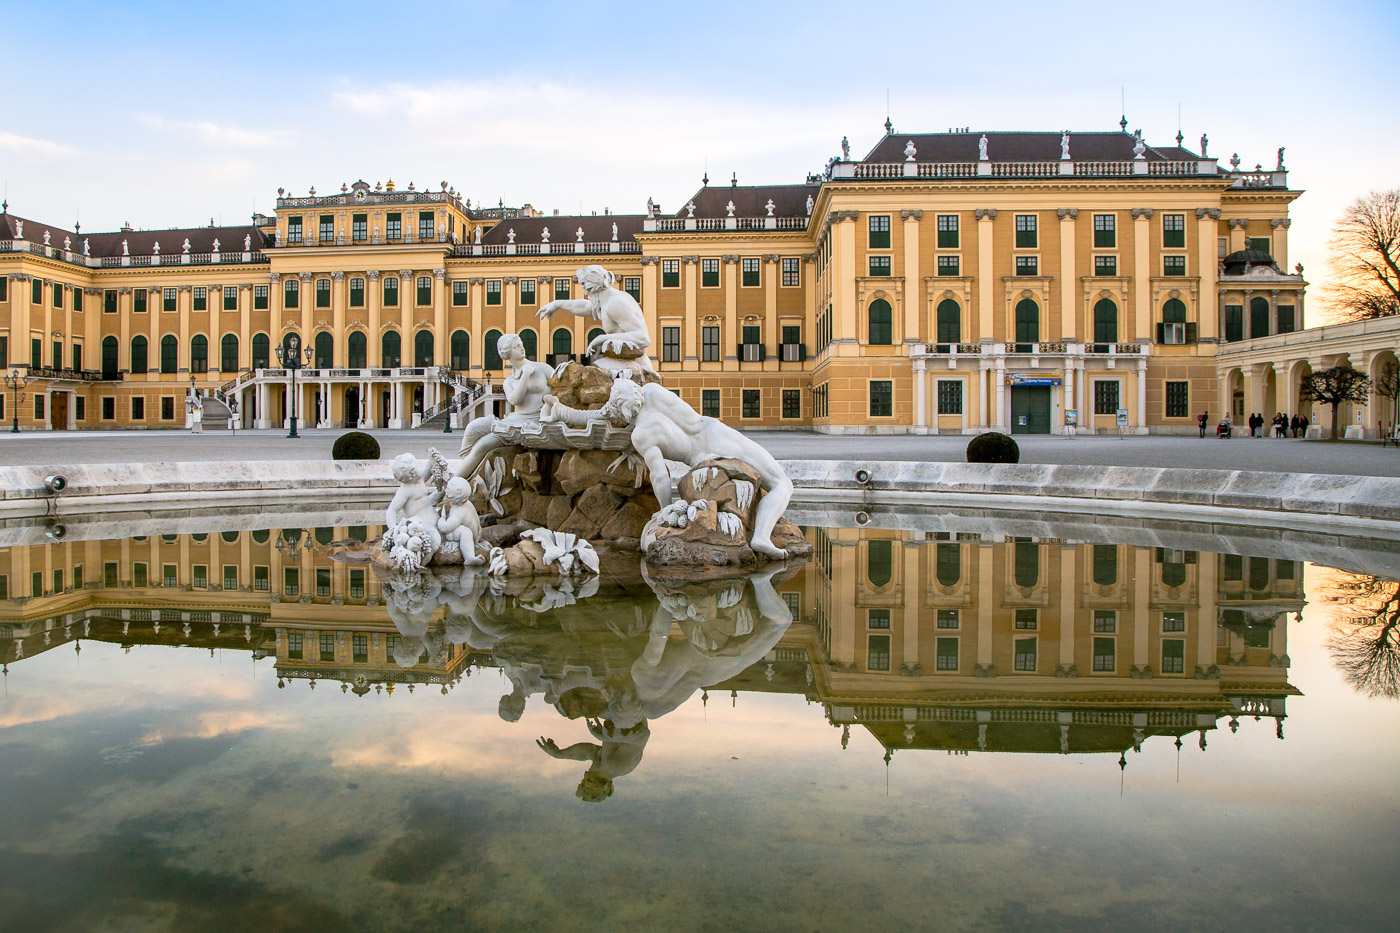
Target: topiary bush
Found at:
357, 445
993, 448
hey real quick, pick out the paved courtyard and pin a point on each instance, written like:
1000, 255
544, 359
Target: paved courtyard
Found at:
1186, 452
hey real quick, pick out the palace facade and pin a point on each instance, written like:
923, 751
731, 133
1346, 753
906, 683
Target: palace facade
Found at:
947, 282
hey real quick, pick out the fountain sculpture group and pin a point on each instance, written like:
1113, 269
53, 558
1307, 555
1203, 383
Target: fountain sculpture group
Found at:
592, 452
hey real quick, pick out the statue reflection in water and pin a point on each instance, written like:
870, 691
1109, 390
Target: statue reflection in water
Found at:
616, 660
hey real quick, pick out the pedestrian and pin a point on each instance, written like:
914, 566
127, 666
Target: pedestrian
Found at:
1202, 419
1293, 424
1280, 426
1303, 424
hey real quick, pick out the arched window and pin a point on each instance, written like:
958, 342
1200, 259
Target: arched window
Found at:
169, 354
1259, 317
228, 353
109, 357
881, 323
492, 355
593, 332
357, 354
1173, 573
291, 293
261, 351
229, 537
1027, 321
325, 350
948, 564
391, 349
461, 349
140, 357
425, 290
1105, 321
949, 321
199, 354
423, 348
261, 535
1105, 564
358, 533
1258, 573
324, 535
532, 344
562, 344
879, 562
1027, 564
1173, 327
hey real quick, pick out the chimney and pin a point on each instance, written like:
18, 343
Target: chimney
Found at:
734, 182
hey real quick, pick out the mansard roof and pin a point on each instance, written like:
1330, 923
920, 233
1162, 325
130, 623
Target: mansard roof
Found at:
752, 200
139, 242
1019, 147
597, 228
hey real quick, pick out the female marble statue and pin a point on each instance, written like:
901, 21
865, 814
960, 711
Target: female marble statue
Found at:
624, 341
524, 387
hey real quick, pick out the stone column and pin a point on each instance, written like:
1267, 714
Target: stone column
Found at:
263, 418
1255, 376
999, 374
1143, 271
1069, 304
510, 285
1141, 418
1142, 590
1239, 228
909, 612
408, 300
983, 373
920, 389
306, 299
986, 327
772, 272
1069, 554
1068, 393
478, 352
985, 551
20, 314
374, 301
339, 301
845, 331
442, 338
912, 278
730, 338
1279, 250
1208, 327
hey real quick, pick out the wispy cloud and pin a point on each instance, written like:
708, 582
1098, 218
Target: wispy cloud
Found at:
212, 133
29, 145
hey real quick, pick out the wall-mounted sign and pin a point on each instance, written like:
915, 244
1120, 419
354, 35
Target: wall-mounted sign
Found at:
1034, 379
1122, 417
1071, 416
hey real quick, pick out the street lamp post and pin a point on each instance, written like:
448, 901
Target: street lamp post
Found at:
290, 355
16, 381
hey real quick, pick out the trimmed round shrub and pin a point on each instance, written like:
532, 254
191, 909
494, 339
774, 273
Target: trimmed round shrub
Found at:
357, 445
993, 447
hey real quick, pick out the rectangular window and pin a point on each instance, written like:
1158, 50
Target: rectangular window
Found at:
58, 579
138, 300
231, 298
632, 285
709, 403
878, 653
751, 273
260, 297
58, 295
231, 577
1027, 620
461, 293
948, 265
1234, 323
357, 584
950, 397
1287, 322
670, 344
1173, 656
393, 225
793, 600
167, 407
1259, 244
201, 298
36, 583
949, 619
260, 579
327, 228
326, 646
4, 288
294, 230
563, 289
4, 586
670, 273
1105, 396
947, 654
109, 408
170, 575
1105, 231
879, 231
493, 291
77, 298
1105, 621
291, 581
77, 578
357, 292
1025, 655
323, 581
425, 225
109, 301
1174, 231
527, 291
1232, 567
359, 227
1026, 233
1027, 265
792, 273
877, 618
295, 646
39, 406
81, 402
752, 403
36, 292
109, 574
881, 398
1173, 621
359, 649
879, 265
425, 291
947, 231
792, 403
200, 576
391, 292
1173, 265
1105, 654
709, 346
168, 300
138, 408
1178, 399
709, 273
1105, 265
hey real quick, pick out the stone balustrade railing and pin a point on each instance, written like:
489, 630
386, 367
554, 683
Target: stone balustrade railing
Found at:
1045, 348
1044, 168
563, 248
711, 224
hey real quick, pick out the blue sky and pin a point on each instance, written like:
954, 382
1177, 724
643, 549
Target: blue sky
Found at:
170, 114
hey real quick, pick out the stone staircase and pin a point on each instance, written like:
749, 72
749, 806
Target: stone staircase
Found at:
216, 414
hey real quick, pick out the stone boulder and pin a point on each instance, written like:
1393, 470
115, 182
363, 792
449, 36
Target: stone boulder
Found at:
586, 387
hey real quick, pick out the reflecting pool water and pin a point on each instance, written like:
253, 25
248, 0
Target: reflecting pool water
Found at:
975, 727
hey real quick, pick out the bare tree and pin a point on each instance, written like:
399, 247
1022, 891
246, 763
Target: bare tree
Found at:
1388, 386
1365, 640
1335, 386
1366, 257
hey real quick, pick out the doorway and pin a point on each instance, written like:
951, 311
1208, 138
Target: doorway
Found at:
352, 407
1030, 409
58, 411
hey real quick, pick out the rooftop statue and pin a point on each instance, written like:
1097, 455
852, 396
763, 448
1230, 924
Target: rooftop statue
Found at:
1064, 146
524, 387
845, 148
623, 344
982, 148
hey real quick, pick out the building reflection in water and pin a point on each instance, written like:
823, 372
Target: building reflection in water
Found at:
946, 641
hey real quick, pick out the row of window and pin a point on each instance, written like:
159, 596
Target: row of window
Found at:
60, 293
751, 275
1028, 620
1261, 320
750, 348
359, 227
1028, 231
751, 403
1025, 654
1173, 328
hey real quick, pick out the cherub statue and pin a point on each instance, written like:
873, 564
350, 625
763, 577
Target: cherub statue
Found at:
618, 754
525, 388
461, 526
666, 428
415, 497
624, 341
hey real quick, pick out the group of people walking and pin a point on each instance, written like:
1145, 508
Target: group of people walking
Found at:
1279, 426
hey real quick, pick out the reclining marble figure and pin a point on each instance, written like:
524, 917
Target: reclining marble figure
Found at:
623, 344
665, 428
524, 387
